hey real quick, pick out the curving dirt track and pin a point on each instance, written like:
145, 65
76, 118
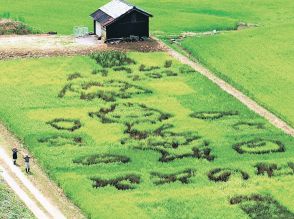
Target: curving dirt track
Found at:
251, 104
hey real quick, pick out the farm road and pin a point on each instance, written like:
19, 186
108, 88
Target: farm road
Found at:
273, 119
17, 46
20, 180
44, 194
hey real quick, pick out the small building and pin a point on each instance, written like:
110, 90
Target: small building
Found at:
120, 19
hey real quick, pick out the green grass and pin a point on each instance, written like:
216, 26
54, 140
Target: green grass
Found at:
29, 91
10, 206
256, 61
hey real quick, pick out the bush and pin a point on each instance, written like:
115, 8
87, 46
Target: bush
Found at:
110, 59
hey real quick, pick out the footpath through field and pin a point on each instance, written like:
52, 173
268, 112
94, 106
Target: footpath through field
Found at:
51, 210
43, 197
273, 119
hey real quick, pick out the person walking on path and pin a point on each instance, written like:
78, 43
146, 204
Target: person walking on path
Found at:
14, 155
27, 163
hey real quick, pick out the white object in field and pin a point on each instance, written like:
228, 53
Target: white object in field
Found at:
116, 8
80, 31
98, 29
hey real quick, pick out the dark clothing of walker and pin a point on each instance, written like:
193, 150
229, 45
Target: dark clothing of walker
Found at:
27, 163
14, 155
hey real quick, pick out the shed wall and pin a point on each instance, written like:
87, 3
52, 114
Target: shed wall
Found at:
133, 23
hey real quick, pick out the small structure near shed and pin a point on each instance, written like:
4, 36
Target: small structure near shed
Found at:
119, 19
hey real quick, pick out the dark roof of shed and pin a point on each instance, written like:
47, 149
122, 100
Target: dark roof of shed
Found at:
108, 13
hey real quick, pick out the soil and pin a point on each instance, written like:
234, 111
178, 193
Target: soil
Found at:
42, 45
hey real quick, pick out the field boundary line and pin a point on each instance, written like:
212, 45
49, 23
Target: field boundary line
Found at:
251, 104
51, 209
22, 195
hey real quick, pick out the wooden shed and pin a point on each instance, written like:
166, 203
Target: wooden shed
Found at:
120, 19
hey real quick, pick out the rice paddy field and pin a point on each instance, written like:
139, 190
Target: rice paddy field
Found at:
141, 135
257, 61
146, 136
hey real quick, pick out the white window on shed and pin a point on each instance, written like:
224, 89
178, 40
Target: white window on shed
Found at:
98, 29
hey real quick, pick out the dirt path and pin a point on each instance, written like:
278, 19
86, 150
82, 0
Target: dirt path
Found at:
31, 204
15, 46
273, 119
45, 193
51, 209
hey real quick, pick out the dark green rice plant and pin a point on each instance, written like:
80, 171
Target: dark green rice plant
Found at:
126, 182
213, 115
65, 124
122, 68
60, 140
224, 174
259, 146
181, 176
151, 68
109, 59
74, 76
168, 63
101, 158
261, 206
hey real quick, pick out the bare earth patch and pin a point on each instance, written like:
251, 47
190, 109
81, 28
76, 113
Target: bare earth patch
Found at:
15, 46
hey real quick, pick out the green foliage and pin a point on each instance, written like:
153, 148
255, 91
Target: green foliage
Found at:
124, 148
10, 206
110, 59
258, 206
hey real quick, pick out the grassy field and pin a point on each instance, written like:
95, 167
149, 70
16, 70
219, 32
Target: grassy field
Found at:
146, 136
10, 206
256, 61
